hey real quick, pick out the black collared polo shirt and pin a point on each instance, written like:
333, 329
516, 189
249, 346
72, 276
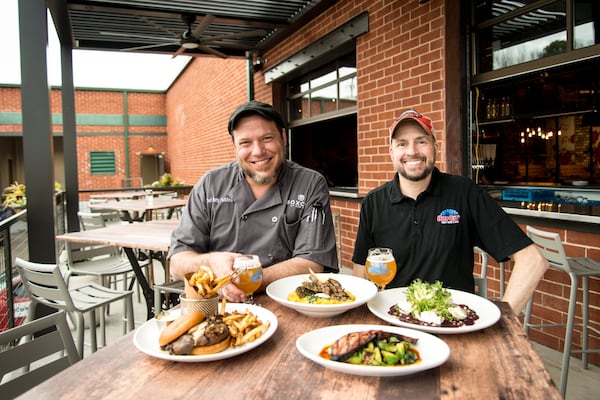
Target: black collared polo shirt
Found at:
433, 237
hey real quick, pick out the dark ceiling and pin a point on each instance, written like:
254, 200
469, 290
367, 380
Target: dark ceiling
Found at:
219, 28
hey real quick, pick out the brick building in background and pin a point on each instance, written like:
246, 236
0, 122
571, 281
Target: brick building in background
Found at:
388, 55
122, 124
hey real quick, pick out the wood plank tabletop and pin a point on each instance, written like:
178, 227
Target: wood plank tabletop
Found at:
130, 194
140, 206
150, 235
498, 362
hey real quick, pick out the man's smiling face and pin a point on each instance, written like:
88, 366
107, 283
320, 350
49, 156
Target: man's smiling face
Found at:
260, 149
413, 152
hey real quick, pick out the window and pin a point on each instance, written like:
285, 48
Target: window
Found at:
512, 36
326, 146
102, 163
535, 91
322, 113
586, 20
540, 127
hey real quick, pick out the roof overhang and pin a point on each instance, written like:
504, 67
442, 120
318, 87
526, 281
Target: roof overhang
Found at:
219, 28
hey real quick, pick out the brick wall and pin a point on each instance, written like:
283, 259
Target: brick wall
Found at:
198, 107
112, 137
10, 101
97, 137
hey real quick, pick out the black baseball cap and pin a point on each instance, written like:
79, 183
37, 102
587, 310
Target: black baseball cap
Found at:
255, 107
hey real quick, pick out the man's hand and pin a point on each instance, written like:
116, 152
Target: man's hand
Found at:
222, 264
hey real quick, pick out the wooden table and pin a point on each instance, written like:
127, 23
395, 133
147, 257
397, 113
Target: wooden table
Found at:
495, 363
151, 235
139, 206
128, 194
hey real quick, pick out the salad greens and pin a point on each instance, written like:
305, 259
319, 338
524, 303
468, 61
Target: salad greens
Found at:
424, 296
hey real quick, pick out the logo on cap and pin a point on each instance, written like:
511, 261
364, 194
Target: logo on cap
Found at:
422, 120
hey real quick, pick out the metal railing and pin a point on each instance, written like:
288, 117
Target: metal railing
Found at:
14, 243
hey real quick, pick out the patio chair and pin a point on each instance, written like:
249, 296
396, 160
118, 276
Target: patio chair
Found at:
481, 283
107, 263
167, 213
481, 279
551, 247
33, 352
45, 284
101, 261
167, 294
95, 220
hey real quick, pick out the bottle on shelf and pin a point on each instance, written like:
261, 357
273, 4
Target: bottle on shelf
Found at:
508, 109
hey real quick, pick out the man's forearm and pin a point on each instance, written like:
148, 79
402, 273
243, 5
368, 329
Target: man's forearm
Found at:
359, 270
528, 269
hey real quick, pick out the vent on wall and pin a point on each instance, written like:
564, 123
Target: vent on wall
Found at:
102, 163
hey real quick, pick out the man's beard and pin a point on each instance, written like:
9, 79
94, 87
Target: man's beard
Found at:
265, 180
416, 178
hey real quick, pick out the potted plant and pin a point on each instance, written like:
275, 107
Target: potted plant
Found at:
166, 180
14, 196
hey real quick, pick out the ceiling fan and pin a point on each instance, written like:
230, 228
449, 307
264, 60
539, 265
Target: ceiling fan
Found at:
189, 39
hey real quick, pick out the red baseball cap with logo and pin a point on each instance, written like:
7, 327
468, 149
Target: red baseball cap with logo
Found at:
422, 120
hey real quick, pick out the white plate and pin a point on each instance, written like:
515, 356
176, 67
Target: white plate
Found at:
146, 337
362, 289
433, 351
487, 311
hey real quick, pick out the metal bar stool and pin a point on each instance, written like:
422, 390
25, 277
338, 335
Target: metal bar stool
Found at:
481, 281
551, 247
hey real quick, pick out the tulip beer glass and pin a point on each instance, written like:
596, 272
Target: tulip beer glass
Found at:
380, 266
250, 278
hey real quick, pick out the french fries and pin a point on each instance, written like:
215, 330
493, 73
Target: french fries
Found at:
244, 327
206, 284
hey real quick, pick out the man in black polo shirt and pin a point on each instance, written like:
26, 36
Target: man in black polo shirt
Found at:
432, 221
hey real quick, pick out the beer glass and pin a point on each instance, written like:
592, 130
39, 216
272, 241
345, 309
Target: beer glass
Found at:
380, 266
250, 279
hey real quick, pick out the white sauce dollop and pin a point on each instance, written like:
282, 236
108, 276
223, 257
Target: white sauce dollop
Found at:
430, 317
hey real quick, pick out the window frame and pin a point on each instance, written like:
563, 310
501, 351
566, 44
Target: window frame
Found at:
322, 68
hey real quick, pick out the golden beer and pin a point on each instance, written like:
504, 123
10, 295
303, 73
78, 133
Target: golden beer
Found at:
380, 266
250, 278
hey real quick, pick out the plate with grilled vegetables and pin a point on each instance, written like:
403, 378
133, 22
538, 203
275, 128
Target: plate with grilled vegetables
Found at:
373, 350
322, 295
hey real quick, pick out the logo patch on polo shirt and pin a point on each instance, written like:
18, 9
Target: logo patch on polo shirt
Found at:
448, 216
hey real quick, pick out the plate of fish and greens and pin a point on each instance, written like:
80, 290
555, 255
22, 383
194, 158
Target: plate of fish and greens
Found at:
322, 295
373, 350
432, 308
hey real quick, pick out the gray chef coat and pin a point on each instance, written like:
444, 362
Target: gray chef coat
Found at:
293, 219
